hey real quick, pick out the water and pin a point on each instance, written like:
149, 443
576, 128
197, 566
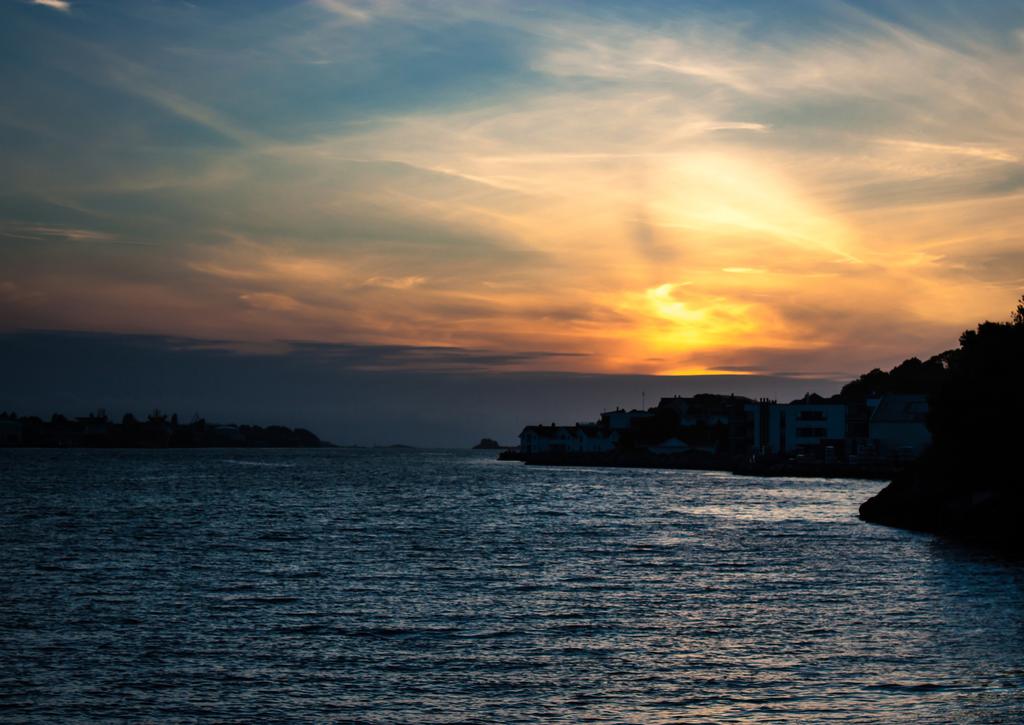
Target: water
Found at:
407, 586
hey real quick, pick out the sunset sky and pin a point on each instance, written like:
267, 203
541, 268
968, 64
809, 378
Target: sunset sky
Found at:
804, 189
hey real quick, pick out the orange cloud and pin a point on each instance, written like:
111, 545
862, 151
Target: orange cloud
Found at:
676, 197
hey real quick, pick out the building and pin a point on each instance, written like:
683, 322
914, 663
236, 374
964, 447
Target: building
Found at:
547, 439
816, 427
898, 427
811, 426
623, 419
703, 409
594, 438
579, 438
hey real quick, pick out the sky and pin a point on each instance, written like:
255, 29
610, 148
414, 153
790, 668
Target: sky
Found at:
795, 191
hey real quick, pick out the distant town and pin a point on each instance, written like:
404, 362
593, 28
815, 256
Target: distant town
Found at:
876, 425
728, 431
157, 430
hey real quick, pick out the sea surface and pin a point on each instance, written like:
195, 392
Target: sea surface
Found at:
385, 586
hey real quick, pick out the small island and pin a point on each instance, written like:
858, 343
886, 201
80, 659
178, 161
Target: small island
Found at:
157, 430
488, 444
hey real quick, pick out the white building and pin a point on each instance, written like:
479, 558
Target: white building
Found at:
811, 425
898, 428
808, 424
579, 438
547, 439
596, 439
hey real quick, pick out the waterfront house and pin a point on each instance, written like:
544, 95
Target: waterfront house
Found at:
595, 438
812, 425
548, 439
579, 438
619, 419
898, 427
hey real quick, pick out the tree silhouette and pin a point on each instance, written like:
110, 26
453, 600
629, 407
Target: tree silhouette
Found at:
970, 480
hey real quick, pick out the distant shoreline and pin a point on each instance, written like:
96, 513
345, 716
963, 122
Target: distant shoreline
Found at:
788, 469
157, 431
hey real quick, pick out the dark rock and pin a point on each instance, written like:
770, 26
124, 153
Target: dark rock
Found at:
978, 512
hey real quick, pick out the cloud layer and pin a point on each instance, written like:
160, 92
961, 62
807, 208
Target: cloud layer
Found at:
627, 187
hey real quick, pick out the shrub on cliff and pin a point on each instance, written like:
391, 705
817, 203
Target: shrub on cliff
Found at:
977, 416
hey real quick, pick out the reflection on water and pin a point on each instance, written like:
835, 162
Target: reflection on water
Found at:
384, 586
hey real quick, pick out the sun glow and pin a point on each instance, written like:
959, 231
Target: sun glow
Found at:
596, 194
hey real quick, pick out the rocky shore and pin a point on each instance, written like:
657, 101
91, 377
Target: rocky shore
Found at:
982, 512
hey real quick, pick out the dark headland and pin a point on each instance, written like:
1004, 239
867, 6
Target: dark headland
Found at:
969, 482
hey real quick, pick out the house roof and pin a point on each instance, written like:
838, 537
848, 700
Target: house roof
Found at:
546, 431
592, 431
901, 409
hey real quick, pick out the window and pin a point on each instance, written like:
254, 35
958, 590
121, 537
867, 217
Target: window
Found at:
811, 432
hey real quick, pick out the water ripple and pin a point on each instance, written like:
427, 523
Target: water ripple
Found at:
404, 586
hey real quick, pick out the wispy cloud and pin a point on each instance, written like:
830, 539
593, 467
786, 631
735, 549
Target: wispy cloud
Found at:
655, 192
345, 10
69, 234
62, 5
987, 153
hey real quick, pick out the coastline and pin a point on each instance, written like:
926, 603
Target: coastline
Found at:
698, 462
983, 513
